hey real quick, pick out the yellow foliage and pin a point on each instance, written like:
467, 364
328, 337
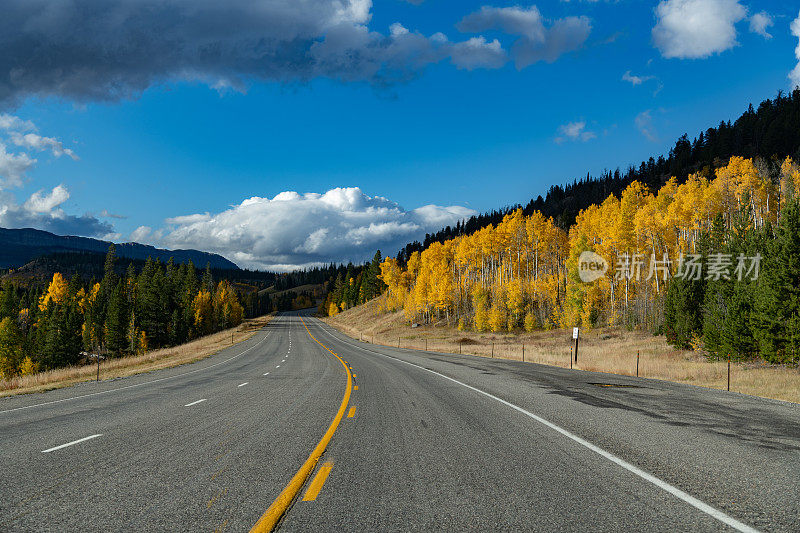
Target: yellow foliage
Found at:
28, 366
203, 312
497, 318
530, 322
56, 292
141, 345
519, 272
333, 309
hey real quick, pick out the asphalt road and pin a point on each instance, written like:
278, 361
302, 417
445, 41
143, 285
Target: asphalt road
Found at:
429, 442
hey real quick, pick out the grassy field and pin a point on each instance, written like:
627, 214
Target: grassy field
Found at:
611, 350
126, 366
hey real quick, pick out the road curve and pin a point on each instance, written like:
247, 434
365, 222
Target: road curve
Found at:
428, 442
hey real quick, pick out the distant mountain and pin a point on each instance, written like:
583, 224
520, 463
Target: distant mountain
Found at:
20, 246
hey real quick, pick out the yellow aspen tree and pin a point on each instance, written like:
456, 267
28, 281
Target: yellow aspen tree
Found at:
56, 292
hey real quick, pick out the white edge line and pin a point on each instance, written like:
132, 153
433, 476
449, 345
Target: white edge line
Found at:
90, 437
139, 384
195, 403
243, 384
675, 491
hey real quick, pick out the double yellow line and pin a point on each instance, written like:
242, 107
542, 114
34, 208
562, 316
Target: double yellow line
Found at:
284, 500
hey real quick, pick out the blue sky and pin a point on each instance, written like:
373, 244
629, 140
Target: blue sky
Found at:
414, 121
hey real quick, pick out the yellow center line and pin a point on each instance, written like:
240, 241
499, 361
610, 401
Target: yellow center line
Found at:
355, 387
210, 502
352, 412
283, 501
316, 484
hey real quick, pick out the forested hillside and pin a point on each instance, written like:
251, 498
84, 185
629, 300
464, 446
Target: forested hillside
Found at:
353, 286
47, 325
64, 303
712, 262
768, 134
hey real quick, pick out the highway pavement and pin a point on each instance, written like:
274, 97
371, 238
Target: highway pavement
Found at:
418, 441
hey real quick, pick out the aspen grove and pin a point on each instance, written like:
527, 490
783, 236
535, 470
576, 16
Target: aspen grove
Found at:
523, 272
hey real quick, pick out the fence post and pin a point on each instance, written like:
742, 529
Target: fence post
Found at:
398, 343
729, 372
492, 350
426, 345
523, 352
637, 363
459, 347
570, 357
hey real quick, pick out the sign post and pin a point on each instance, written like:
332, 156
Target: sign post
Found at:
575, 335
96, 356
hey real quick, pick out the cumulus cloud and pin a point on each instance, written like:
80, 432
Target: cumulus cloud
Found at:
696, 28
46, 203
759, 24
293, 230
13, 167
140, 234
574, 131
644, 121
12, 123
87, 50
478, 53
42, 209
23, 134
794, 75
536, 42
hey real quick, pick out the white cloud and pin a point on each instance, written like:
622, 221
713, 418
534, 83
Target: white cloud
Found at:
644, 121
21, 133
478, 53
41, 210
759, 24
32, 141
794, 75
635, 80
696, 28
296, 230
574, 131
536, 41
12, 123
140, 234
46, 203
13, 167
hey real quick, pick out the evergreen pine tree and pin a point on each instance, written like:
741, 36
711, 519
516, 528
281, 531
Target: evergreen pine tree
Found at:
117, 320
207, 284
778, 291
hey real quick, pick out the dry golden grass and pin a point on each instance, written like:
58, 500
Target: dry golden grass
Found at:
611, 350
126, 366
